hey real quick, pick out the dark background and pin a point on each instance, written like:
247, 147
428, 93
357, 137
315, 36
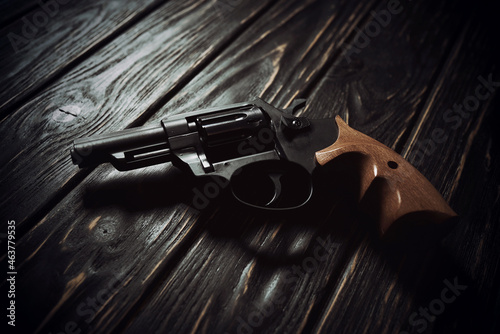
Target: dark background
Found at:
103, 251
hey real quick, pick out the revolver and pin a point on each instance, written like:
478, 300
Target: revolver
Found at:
267, 157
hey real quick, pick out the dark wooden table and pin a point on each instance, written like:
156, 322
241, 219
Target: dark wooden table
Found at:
101, 251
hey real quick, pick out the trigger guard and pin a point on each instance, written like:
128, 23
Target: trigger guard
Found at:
272, 185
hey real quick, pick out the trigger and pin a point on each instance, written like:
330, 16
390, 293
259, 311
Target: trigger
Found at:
277, 187
296, 105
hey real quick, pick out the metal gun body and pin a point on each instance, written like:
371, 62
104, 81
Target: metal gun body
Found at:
269, 156
221, 142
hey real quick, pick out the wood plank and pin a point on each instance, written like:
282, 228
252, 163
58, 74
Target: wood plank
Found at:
396, 286
124, 81
11, 10
473, 246
470, 176
232, 271
36, 54
65, 269
96, 236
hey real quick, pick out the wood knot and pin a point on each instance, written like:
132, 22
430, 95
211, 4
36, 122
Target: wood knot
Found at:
66, 114
105, 230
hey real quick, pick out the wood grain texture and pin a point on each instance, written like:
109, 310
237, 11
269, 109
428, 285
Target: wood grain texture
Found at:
33, 54
285, 59
121, 83
68, 261
141, 281
401, 284
468, 172
127, 252
222, 299
474, 244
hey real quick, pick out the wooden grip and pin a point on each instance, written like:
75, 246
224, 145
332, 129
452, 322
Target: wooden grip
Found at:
401, 190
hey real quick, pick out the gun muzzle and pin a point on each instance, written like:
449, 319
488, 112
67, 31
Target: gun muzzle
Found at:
126, 150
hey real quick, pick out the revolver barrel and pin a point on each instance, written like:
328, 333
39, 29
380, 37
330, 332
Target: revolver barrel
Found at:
196, 140
126, 149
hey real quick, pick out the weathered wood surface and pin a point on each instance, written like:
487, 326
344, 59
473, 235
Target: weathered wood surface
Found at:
131, 278
128, 252
155, 58
415, 279
38, 47
229, 296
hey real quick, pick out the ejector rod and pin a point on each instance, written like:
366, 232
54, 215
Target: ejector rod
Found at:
123, 147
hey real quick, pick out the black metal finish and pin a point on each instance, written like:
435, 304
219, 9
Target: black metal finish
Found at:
255, 137
127, 149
